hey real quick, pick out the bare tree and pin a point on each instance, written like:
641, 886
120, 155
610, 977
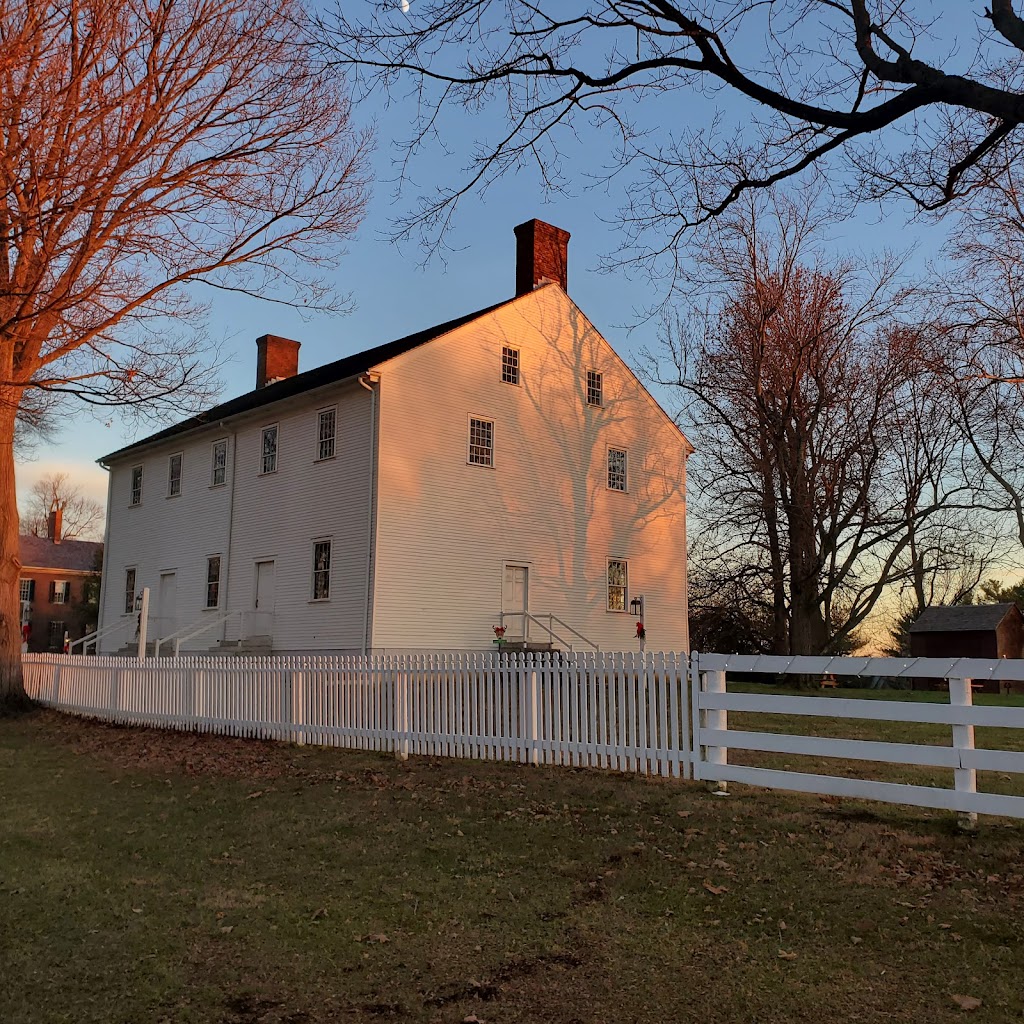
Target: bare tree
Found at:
148, 145
824, 449
81, 516
895, 91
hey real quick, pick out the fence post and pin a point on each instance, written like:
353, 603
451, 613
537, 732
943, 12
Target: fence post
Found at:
532, 708
714, 682
298, 735
402, 710
965, 779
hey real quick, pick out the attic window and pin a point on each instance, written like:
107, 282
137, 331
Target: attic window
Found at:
509, 365
174, 475
136, 493
595, 394
220, 463
326, 427
268, 456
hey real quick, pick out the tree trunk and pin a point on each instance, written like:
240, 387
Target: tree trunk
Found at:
12, 690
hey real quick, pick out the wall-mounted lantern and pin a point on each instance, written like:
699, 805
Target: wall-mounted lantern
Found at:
636, 606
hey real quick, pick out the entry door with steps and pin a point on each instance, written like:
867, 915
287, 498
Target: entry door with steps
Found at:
515, 601
262, 623
167, 609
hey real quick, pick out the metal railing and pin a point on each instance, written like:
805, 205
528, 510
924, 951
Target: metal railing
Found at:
548, 627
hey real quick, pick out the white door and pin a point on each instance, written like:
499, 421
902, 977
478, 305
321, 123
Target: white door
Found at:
167, 609
514, 601
263, 605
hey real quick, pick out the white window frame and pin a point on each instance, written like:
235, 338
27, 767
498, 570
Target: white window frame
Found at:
221, 443
595, 385
213, 582
321, 439
61, 592
510, 369
326, 573
470, 460
277, 448
171, 478
25, 589
625, 470
131, 576
135, 492
624, 586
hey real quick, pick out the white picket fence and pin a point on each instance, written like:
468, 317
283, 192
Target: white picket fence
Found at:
627, 712
652, 714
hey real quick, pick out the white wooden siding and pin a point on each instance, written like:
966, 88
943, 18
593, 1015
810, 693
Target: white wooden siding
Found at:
446, 528
276, 516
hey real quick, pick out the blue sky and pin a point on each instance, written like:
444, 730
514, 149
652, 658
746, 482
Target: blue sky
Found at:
396, 292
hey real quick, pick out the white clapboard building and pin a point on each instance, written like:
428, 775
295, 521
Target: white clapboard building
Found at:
504, 468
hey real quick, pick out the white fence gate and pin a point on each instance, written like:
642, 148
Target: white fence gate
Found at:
650, 713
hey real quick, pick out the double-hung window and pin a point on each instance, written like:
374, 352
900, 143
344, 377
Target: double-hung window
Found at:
219, 468
509, 365
213, 581
26, 590
321, 570
129, 591
618, 581
326, 426
136, 494
595, 388
268, 450
616, 469
174, 475
60, 592
481, 442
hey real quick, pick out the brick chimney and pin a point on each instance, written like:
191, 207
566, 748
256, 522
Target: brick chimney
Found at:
541, 256
54, 522
276, 358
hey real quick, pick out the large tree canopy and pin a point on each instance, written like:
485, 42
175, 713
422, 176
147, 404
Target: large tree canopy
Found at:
146, 145
918, 99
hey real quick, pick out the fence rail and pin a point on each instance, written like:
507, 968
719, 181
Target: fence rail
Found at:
649, 713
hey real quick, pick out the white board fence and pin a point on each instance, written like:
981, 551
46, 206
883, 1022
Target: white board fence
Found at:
713, 738
653, 713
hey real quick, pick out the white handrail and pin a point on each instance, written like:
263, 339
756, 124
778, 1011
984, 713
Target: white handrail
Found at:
552, 635
183, 634
91, 638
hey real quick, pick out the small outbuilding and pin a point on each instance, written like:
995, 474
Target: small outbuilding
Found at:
968, 631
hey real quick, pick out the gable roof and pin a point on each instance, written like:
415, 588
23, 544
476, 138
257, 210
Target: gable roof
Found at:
320, 376
68, 555
961, 618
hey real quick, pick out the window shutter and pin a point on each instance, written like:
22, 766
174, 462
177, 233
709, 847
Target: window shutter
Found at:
31, 590
53, 591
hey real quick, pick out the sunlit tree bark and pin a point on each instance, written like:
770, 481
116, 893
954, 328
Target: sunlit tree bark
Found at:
147, 145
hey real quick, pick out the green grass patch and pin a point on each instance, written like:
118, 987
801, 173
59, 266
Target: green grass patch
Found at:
163, 877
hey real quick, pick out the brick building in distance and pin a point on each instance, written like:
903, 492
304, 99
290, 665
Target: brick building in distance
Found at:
59, 585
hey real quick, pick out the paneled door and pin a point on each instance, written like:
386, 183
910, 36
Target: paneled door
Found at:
263, 603
515, 601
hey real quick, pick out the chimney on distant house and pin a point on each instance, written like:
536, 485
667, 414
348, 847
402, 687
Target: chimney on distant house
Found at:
541, 256
54, 521
276, 358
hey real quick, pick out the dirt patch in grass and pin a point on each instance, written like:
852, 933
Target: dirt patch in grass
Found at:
173, 877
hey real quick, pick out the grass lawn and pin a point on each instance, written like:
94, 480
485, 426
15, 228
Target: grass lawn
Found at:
163, 877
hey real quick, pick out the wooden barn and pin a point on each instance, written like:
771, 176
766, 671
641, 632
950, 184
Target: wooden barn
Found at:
968, 631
